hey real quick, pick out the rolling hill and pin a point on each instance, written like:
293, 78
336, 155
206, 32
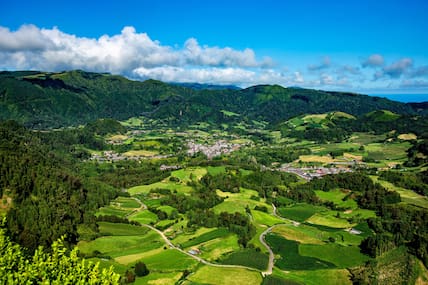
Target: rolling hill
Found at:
50, 100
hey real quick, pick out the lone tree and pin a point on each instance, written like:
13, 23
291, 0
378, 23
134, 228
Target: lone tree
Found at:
141, 269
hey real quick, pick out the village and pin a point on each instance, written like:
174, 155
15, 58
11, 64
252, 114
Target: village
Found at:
218, 148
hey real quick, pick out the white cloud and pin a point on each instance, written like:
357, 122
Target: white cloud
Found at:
298, 78
395, 70
28, 37
421, 71
137, 56
375, 60
414, 84
323, 65
207, 75
51, 49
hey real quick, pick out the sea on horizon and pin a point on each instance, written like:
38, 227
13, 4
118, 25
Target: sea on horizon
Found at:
405, 98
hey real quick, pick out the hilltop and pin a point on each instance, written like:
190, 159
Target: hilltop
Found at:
50, 100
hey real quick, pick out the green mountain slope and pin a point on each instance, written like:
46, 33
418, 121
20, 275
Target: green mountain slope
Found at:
41, 100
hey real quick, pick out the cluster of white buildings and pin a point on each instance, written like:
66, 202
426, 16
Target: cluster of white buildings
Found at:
218, 148
309, 173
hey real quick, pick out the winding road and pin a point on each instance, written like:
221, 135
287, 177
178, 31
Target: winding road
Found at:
262, 240
271, 255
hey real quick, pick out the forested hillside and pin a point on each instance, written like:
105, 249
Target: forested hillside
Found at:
49, 100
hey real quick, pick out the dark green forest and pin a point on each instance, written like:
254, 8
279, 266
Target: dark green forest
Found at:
51, 100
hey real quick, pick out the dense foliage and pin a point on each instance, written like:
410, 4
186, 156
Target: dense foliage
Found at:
49, 196
41, 99
55, 267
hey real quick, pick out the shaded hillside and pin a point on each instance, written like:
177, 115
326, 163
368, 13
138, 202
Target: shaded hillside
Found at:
46, 100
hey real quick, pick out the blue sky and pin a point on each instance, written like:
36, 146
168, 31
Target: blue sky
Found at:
360, 46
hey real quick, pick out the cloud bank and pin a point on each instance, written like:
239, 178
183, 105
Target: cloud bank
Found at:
137, 56
129, 53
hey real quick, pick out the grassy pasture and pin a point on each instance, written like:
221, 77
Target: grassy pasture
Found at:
317, 158
248, 257
152, 202
215, 248
116, 246
117, 138
144, 217
299, 212
290, 258
407, 196
407, 137
390, 151
323, 149
125, 202
131, 258
341, 256
169, 260
165, 184
319, 235
165, 223
315, 277
116, 229
366, 138
146, 153
302, 234
225, 276
187, 236
185, 174
215, 170
336, 196
167, 209
112, 211
328, 219
237, 202
159, 278
262, 218
106, 263
216, 233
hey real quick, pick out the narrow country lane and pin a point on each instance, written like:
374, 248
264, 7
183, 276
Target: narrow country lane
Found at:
269, 269
271, 255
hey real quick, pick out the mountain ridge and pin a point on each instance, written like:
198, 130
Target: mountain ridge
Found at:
57, 99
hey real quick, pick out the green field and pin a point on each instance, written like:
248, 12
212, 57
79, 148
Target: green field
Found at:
337, 197
115, 229
248, 257
115, 246
328, 219
262, 218
144, 217
170, 260
187, 174
165, 184
159, 278
216, 233
216, 248
299, 212
407, 196
225, 276
290, 258
112, 211
303, 234
341, 256
316, 277
215, 170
